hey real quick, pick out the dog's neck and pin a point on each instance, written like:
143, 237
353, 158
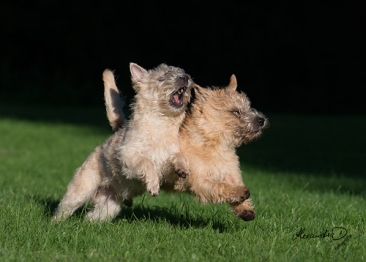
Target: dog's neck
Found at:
192, 132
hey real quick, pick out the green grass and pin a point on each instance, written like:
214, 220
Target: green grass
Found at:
307, 172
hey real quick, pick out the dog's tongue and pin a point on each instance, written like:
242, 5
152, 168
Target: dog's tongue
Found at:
176, 98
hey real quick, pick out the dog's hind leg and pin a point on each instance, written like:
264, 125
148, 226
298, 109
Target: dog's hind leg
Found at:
81, 188
106, 205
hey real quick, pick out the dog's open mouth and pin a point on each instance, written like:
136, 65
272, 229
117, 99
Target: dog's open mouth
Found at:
176, 99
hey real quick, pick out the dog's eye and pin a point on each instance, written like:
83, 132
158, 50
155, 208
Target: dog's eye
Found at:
236, 112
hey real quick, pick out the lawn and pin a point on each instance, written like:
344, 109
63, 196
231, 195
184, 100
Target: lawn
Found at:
307, 178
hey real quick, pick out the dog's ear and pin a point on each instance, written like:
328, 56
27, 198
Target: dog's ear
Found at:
199, 92
137, 71
233, 83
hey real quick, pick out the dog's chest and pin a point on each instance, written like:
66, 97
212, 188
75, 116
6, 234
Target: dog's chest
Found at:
157, 142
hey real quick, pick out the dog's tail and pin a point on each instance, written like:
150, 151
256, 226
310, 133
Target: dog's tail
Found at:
113, 101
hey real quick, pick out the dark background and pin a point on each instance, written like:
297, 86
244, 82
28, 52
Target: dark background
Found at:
297, 57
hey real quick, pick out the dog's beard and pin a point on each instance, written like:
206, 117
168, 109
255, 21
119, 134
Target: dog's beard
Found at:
247, 134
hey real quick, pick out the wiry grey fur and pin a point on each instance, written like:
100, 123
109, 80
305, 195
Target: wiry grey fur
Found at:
138, 155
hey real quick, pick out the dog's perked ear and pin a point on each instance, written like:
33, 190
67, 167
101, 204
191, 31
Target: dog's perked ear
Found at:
233, 83
200, 93
137, 72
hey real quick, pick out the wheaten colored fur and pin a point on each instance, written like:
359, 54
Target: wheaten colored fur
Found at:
138, 155
219, 121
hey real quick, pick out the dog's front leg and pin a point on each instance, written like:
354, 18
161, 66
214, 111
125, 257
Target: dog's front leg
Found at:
180, 164
244, 210
149, 174
209, 191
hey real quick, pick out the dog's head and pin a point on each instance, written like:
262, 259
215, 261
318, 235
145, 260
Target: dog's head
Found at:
226, 114
165, 89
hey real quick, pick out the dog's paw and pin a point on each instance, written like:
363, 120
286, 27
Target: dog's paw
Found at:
181, 173
247, 215
243, 212
154, 193
153, 189
181, 166
239, 194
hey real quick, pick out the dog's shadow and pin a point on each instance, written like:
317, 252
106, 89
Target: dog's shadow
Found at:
140, 212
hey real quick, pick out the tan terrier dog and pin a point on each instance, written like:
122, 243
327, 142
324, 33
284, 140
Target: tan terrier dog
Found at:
219, 121
138, 155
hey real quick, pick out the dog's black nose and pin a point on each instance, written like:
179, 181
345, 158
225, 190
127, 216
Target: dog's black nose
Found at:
184, 77
182, 80
260, 121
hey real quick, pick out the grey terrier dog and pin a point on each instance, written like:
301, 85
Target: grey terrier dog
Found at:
138, 155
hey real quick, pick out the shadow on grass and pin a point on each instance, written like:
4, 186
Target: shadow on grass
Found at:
83, 116
171, 216
306, 144
140, 212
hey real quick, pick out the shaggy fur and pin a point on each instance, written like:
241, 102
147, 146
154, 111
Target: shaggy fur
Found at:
140, 153
219, 121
